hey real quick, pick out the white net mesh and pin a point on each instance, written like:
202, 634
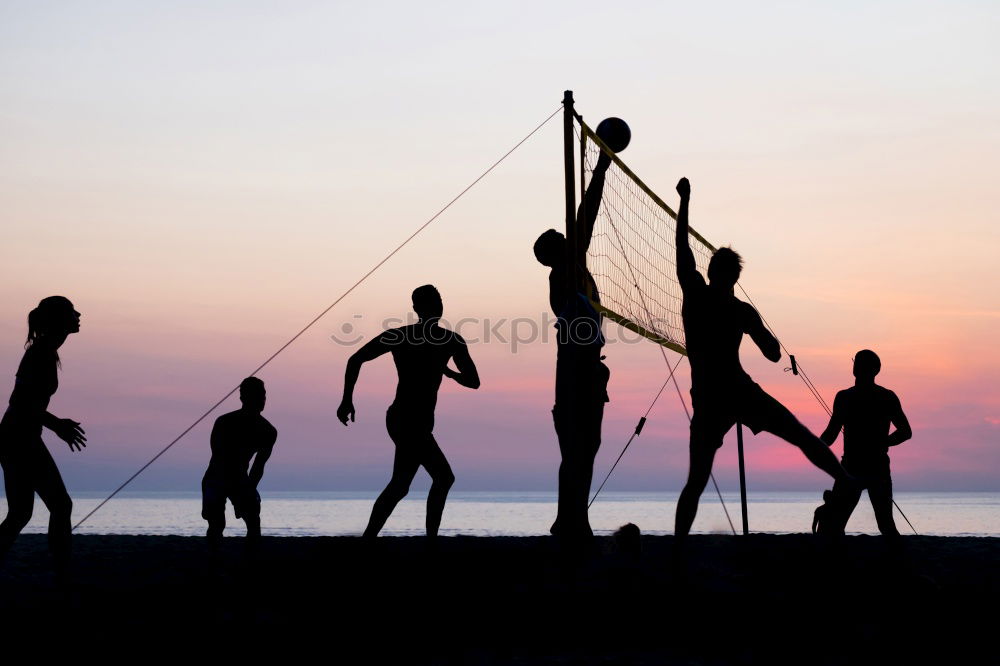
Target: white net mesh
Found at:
632, 254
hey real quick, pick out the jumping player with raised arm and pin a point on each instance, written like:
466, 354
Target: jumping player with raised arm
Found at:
722, 393
865, 412
421, 353
581, 377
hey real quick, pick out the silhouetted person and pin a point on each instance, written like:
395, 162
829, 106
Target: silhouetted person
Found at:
28, 467
865, 412
722, 393
581, 377
236, 438
824, 513
421, 353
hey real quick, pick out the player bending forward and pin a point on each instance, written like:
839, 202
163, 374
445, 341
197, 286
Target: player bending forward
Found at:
722, 393
236, 438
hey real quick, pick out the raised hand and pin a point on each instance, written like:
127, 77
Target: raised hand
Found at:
684, 188
70, 432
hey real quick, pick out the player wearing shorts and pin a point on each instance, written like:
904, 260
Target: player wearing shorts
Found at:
722, 393
236, 438
865, 412
421, 353
581, 376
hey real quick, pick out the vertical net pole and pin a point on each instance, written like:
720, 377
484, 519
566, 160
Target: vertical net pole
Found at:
743, 477
571, 241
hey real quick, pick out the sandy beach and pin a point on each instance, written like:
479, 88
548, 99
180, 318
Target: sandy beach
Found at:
763, 598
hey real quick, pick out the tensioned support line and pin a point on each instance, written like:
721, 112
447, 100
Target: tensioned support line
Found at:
635, 433
305, 328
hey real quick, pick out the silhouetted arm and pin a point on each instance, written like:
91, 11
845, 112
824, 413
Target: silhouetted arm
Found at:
586, 214
467, 374
902, 424
372, 350
260, 459
762, 337
50, 421
67, 430
687, 270
836, 424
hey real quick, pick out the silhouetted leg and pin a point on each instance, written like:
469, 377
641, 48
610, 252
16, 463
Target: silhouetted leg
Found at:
442, 478
578, 443
589, 441
845, 499
253, 527
597, 398
705, 441
404, 468
249, 510
880, 494
783, 423
216, 526
51, 489
566, 473
17, 476
213, 509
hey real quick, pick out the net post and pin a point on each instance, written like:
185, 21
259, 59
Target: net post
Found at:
571, 241
743, 477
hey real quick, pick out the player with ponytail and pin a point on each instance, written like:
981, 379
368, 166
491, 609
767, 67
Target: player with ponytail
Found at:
28, 467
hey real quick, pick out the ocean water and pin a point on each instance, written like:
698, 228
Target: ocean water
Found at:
517, 513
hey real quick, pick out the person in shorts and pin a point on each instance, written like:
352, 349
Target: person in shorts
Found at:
865, 413
722, 393
421, 353
238, 437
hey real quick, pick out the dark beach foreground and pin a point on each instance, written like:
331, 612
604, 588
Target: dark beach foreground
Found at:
757, 599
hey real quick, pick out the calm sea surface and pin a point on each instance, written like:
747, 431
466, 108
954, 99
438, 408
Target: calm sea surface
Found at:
516, 513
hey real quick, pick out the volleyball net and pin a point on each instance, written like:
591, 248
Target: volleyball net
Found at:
632, 254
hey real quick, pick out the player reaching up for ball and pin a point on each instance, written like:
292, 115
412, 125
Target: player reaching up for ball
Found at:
581, 377
722, 393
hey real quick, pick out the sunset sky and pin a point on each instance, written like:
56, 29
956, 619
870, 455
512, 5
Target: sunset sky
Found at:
201, 179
